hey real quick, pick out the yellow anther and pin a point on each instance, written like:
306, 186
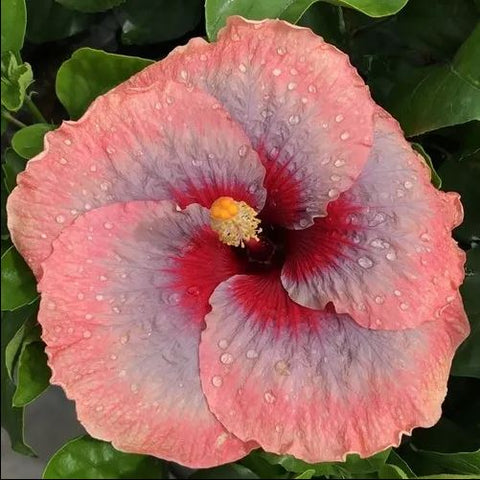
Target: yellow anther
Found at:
235, 222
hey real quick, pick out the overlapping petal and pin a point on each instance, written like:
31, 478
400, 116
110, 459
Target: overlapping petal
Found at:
314, 383
303, 106
384, 254
171, 143
124, 295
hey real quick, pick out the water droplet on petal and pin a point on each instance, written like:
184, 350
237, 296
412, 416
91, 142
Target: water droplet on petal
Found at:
108, 225
379, 300
425, 237
450, 299
88, 316
312, 88
269, 397
408, 185
339, 118
397, 293
124, 339
60, 219
281, 51
291, 86
252, 354
335, 178
134, 388
339, 162
332, 192
87, 334
276, 72
282, 368
99, 297
365, 262
403, 306
223, 344
242, 151
194, 291
217, 381
226, 358
294, 120
345, 136
391, 256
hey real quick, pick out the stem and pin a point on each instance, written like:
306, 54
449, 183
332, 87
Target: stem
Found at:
37, 114
10, 118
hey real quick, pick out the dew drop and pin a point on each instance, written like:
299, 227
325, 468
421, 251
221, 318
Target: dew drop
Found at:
276, 72
278, 427
217, 381
99, 297
124, 339
312, 88
281, 51
269, 397
242, 151
87, 206
108, 225
282, 368
365, 262
242, 68
87, 334
93, 168
173, 299
344, 136
80, 296
63, 161
134, 388
425, 237
397, 293
379, 300
60, 219
450, 299
194, 291
223, 344
113, 356
226, 358
391, 256
294, 120
291, 86
339, 162
99, 408
403, 306
332, 192
67, 142
339, 118
335, 178
252, 354
408, 185
88, 316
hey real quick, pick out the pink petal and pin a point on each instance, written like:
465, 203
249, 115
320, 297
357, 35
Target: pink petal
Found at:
305, 109
156, 144
124, 295
384, 254
315, 384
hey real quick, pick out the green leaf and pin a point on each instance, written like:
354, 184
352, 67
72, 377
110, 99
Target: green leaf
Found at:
49, 21
467, 359
232, 470
440, 95
306, 474
436, 180
353, 465
12, 351
28, 141
12, 165
144, 21
14, 20
90, 6
15, 80
425, 462
394, 459
18, 282
33, 373
12, 417
449, 476
90, 73
461, 173
256, 462
217, 11
86, 457
391, 471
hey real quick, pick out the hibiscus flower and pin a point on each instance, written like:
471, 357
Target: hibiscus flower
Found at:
237, 248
